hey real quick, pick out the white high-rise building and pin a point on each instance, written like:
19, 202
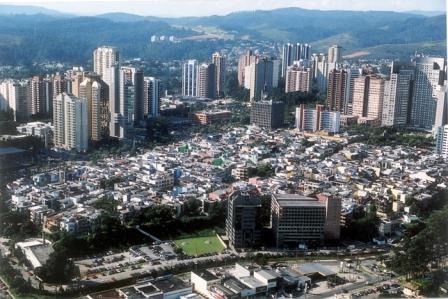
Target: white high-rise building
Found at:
335, 54
442, 141
441, 117
70, 121
112, 79
189, 80
320, 67
152, 96
15, 95
397, 95
429, 74
103, 58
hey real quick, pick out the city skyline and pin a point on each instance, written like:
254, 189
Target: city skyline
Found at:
221, 7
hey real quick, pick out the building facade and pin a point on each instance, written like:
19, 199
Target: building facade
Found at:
242, 224
267, 114
70, 121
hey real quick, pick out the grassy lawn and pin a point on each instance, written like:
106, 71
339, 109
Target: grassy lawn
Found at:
199, 245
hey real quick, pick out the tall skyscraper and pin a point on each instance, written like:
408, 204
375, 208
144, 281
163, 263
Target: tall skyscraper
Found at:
131, 97
96, 92
368, 97
442, 141
70, 122
304, 52
242, 226
441, 117
152, 96
292, 53
77, 75
352, 74
276, 70
205, 86
298, 79
38, 95
336, 90
112, 79
189, 80
245, 60
335, 54
429, 74
261, 78
289, 55
397, 95
103, 58
220, 73
15, 95
320, 67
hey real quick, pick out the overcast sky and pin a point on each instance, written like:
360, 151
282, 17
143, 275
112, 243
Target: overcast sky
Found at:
220, 7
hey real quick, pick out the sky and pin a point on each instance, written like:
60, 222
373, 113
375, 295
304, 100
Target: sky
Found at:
175, 8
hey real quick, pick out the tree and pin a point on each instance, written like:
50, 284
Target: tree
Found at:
58, 268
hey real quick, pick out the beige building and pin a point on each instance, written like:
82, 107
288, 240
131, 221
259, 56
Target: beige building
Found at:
103, 58
220, 71
245, 60
335, 54
298, 79
70, 122
96, 92
368, 97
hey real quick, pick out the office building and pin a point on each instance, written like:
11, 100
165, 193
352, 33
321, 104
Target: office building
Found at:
297, 220
205, 86
304, 52
398, 95
441, 117
336, 90
298, 79
242, 226
212, 117
317, 119
368, 94
261, 74
429, 74
103, 58
189, 79
70, 122
220, 73
335, 54
244, 61
96, 92
267, 114
152, 95
320, 67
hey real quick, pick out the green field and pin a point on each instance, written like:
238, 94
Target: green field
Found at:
200, 245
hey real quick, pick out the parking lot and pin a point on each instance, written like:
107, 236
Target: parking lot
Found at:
108, 267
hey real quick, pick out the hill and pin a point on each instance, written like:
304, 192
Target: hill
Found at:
49, 35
